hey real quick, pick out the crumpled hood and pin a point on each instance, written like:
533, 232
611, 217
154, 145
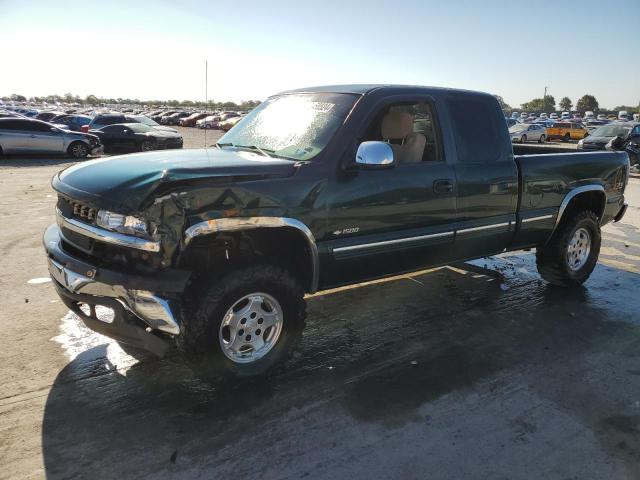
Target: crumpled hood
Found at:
123, 183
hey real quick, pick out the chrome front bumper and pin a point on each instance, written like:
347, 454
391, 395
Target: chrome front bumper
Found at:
81, 282
151, 309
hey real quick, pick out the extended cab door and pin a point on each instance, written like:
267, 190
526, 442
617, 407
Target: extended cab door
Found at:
486, 173
386, 221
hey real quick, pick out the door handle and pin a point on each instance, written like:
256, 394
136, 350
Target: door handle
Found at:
443, 186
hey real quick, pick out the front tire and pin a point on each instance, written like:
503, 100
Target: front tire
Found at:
571, 254
523, 139
78, 150
246, 322
566, 137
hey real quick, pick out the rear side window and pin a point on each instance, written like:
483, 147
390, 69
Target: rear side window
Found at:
12, 125
478, 128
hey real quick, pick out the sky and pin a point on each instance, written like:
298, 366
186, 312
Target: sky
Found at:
157, 49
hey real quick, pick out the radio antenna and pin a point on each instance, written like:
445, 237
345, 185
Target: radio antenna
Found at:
206, 98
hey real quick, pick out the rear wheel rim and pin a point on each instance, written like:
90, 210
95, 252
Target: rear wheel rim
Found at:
578, 249
251, 328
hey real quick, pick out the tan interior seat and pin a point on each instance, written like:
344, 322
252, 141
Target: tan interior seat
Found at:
398, 125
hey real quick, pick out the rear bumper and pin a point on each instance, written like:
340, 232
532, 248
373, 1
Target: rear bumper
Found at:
138, 309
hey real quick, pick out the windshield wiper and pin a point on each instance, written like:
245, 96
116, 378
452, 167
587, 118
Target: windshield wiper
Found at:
255, 147
220, 145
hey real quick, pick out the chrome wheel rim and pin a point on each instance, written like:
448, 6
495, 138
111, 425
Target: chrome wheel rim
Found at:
251, 327
78, 151
578, 249
146, 147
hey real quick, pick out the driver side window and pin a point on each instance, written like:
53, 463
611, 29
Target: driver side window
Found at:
410, 129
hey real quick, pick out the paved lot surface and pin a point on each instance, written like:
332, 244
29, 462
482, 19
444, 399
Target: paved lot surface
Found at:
440, 375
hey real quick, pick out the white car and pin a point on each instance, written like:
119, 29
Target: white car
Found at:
602, 116
565, 116
553, 116
523, 133
544, 116
207, 122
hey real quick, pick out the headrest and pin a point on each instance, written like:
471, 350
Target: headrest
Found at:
397, 124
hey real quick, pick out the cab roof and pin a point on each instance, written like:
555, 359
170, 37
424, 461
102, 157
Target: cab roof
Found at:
363, 89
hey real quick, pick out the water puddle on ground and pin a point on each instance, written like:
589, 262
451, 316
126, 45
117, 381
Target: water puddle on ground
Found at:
75, 338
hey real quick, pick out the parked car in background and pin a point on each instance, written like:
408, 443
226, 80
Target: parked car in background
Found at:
72, 122
553, 116
589, 114
566, 131
100, 121
8, 114
47, 116
158, 116
22, 135
601, 116
136, 137
511, 122
601, 136
544, 116
623, 115
175, 118
227, 125
191, 120
524, 133
208, 122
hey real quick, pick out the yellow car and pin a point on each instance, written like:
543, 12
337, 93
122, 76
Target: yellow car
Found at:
566, 131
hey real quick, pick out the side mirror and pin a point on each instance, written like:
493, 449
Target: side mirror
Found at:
374, 155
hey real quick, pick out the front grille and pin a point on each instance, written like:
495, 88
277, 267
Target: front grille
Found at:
78, 210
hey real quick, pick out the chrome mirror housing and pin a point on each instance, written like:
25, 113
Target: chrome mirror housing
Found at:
375, 155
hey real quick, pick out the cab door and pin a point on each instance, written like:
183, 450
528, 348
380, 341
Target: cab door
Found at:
45, 138
391, 220
486, 174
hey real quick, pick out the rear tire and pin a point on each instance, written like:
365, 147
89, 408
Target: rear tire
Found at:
209, 332
566, 137
147, 146
542, 139
571, 254
78, 150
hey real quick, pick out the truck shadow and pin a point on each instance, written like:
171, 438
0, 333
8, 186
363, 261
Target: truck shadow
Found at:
378, 354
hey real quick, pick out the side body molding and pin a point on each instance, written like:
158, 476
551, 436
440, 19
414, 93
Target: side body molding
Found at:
572, 194
236, 224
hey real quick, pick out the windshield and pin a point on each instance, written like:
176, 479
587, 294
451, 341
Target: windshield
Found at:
146, 121
519, 127
610, 131
296, 126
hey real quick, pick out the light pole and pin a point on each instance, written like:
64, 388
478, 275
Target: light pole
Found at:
544, 101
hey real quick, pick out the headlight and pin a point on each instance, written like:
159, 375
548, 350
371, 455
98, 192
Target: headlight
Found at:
580, 143
121, 223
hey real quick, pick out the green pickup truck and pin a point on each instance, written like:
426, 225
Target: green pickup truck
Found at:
213, 250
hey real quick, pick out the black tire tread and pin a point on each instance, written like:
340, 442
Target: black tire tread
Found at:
550, 258
196, 330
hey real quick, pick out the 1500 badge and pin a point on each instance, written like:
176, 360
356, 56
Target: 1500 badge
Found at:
347, 231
